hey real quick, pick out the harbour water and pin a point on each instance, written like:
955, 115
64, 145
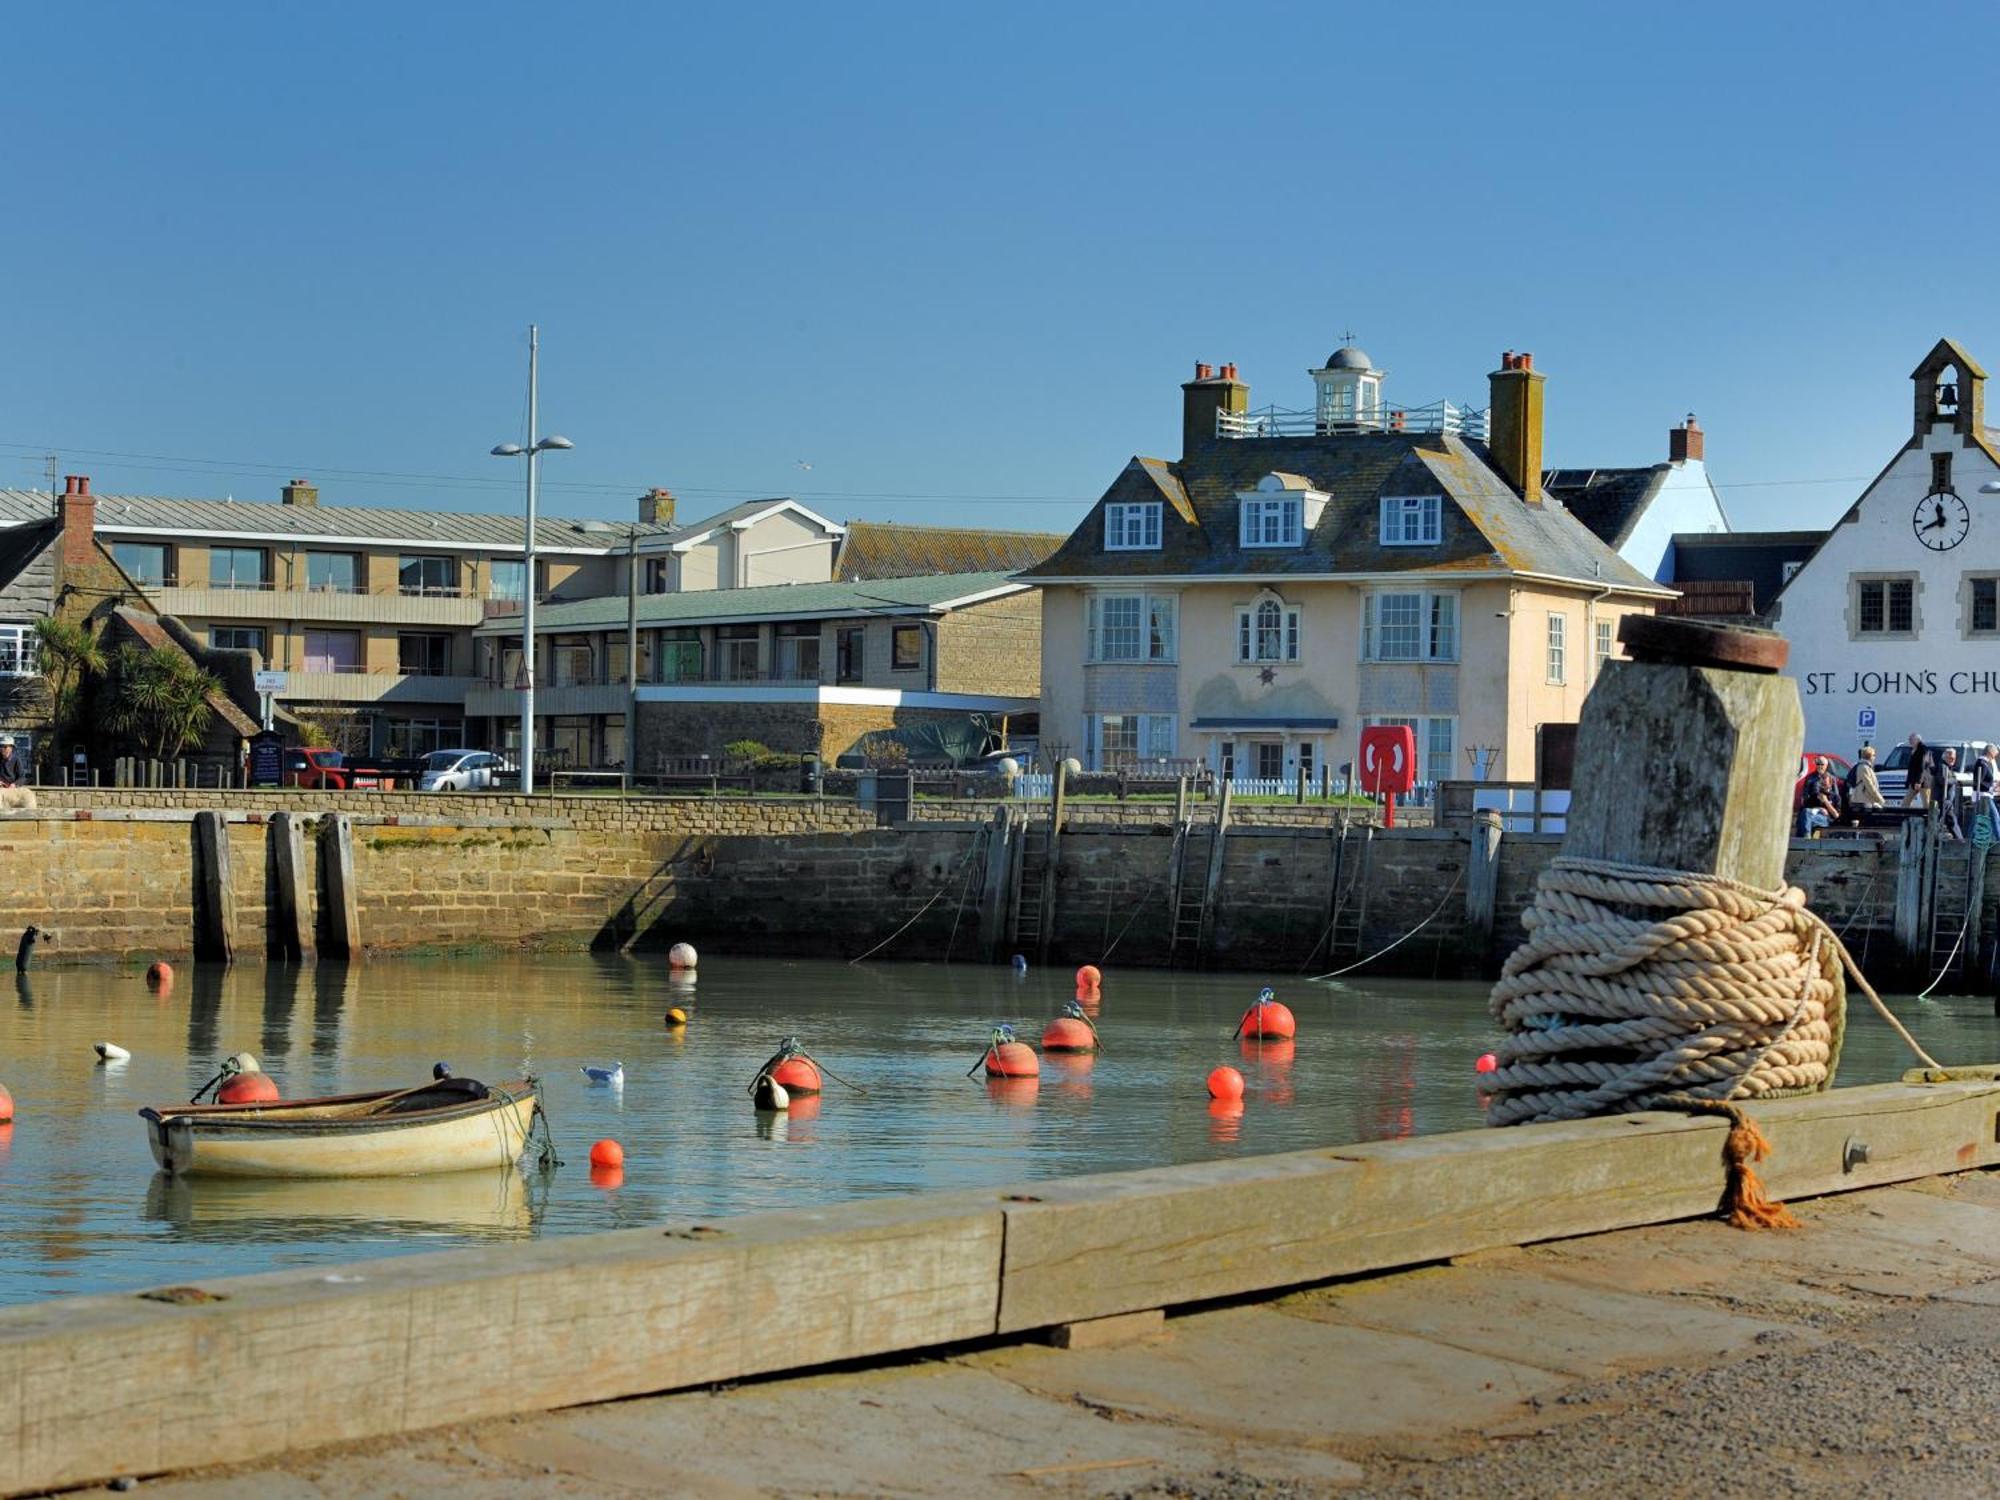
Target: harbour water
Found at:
82, 1209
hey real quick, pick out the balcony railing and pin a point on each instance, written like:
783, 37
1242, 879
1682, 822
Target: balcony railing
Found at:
1276, 421
498, 682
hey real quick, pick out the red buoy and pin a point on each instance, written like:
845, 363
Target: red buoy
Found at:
607, 1154
1267, 1018
1487, 1063
6, 1105
1225, 1083
1067, 1034
247, 1088
1089, 977
160, 975
1012, 1060
796, 1076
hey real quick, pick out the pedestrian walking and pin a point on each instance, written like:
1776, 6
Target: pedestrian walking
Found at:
1864, 792
1915, 785
1945, 791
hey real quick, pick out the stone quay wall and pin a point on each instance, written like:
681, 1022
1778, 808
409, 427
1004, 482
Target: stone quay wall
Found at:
117, 880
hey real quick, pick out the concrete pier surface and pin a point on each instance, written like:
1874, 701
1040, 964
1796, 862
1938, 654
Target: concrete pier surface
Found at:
1853, 1356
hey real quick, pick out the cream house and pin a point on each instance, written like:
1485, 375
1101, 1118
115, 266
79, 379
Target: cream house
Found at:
1296, 576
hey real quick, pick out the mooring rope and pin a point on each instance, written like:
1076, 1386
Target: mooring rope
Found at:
1733, 993
1390, 947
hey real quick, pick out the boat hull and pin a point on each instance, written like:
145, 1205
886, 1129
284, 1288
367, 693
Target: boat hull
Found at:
297, 1141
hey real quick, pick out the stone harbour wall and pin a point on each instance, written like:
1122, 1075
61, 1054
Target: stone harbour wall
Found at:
117, 881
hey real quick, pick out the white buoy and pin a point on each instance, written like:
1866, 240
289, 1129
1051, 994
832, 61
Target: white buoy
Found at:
770, 1094
681, 956
245, 1063
109, 1052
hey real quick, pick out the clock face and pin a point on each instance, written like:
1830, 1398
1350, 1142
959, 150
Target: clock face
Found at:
1941, 521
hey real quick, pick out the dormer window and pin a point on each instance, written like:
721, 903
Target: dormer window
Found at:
1279, 512
1412, 520
1132, 527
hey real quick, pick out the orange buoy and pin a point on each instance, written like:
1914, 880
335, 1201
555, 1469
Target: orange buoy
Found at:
1067, 1034
1012, 1060
796, 1076
676, 1016
160, 975
607, 1154
1089, 977
247, 1088
1225, 1083
6, 1105
1267, 1018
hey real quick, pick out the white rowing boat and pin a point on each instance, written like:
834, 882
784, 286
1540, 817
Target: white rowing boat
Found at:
448, 1125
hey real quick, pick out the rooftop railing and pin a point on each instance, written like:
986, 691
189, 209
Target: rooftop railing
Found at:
1276, 421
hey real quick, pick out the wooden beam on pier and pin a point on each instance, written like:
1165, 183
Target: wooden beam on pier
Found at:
339, 904
291, 935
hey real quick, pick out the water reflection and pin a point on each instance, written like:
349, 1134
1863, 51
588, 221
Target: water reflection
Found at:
474, 1205
204, 1004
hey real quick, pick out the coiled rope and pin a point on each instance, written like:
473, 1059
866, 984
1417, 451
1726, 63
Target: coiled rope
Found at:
1646, 988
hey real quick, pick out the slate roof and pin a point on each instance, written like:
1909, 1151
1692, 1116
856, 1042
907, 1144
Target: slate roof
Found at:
778, 601
1608, 501
1757, 558
1486, 526
352, 523
890, 549
28, 569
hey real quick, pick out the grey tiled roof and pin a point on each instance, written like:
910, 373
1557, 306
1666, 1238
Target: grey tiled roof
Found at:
894, 549
355, 523
767, 602
1755, 558
1486, 526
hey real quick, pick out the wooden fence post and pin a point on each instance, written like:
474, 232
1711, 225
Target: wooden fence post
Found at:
214, 898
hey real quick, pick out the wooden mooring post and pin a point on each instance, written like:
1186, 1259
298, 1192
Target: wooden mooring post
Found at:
291, 935
1052, 857
1482, 888
339, 912
214, 898
993, 889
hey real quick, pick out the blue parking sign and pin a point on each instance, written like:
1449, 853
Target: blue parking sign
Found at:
1864, 720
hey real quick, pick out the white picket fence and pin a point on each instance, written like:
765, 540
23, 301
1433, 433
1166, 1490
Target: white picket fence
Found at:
1041, 785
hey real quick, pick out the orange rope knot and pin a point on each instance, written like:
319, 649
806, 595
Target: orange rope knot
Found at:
1743, 1201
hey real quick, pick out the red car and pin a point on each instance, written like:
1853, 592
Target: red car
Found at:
1808, 762
326, 770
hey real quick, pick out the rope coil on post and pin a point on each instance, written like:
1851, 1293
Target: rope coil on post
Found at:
1646, 988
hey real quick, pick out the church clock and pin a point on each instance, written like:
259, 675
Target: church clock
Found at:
1941, 521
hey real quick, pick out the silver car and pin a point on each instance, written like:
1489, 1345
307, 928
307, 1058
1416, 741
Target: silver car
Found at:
460, 770
1892, 775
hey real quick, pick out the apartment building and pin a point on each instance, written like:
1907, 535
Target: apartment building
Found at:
370, 611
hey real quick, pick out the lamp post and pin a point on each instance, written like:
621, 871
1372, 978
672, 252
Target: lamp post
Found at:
631, 638
533, 452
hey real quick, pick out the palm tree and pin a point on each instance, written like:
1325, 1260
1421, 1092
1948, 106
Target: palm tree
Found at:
160, 698
65, 655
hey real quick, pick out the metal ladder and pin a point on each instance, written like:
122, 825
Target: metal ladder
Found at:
1194, 844
1951, 873
1030, 876
1353, 856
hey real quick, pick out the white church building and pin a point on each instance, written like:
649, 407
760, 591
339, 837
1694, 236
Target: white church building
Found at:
1893, 622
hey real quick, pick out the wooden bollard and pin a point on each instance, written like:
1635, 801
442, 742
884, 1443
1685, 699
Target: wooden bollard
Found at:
214, 897
1482, 887
1686, 755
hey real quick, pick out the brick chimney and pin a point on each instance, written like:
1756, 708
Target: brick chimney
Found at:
1514, 424
1684, 442
298, 492
1210, 391
79, 522
656, 507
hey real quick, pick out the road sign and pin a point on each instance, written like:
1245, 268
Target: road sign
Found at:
271, 682
1864, 720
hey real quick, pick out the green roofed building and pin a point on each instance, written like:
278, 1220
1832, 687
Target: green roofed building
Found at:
800, 667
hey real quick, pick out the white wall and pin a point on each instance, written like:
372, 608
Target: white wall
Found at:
1687, 502
1940, 684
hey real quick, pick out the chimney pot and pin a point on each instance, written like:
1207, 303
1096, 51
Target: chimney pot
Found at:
1514, 424
79, 521
1685, 442
1202, 371
299, 492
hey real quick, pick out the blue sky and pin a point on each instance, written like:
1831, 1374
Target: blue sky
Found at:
958, 261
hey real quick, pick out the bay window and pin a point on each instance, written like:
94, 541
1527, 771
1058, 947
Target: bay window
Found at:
1132, 627
1409, 627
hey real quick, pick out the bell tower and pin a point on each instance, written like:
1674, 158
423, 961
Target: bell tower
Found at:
1950, 390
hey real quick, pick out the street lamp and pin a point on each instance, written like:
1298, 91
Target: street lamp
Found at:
533, 452
631, 530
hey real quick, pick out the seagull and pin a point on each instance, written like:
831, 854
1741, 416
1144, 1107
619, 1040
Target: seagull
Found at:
612, 1077
802, 464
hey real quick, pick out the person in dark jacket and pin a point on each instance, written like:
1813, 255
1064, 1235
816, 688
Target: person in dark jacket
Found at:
10, 763
1915, 784
1945, 790
1820, 806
